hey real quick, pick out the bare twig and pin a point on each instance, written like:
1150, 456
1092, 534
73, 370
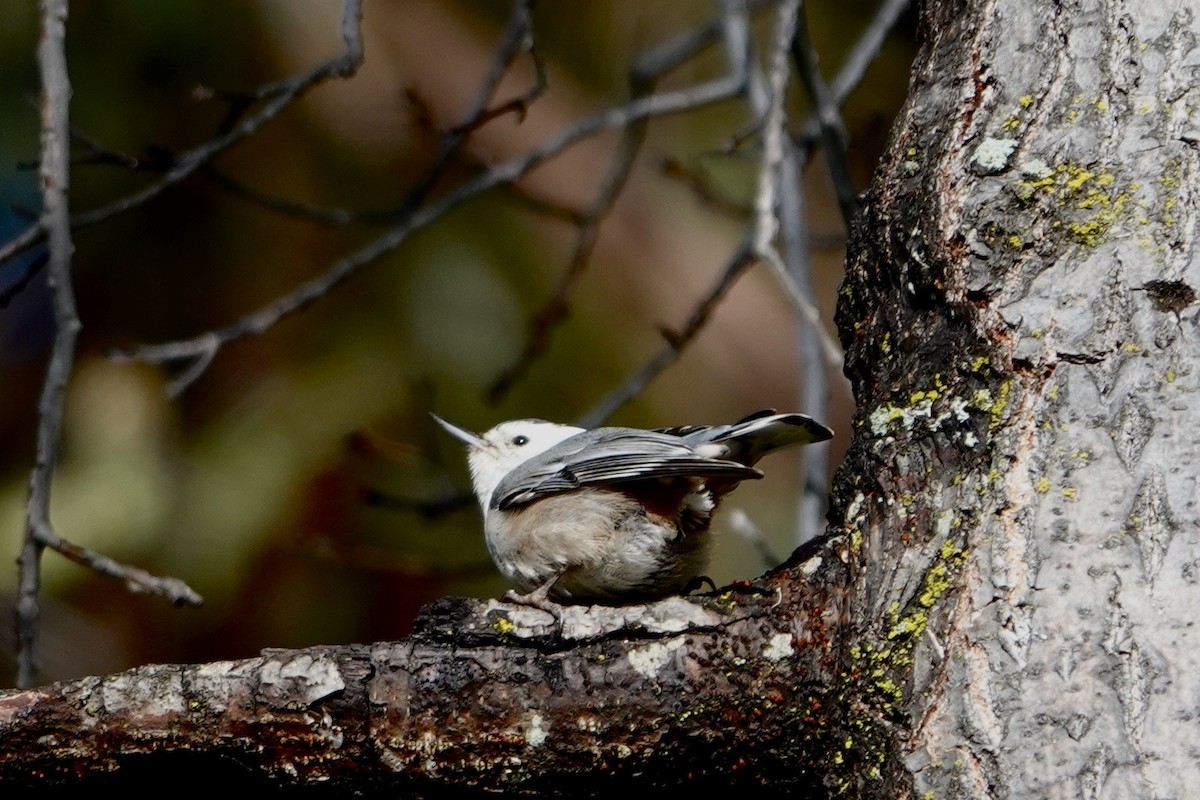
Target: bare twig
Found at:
775, 150
707, 195
833, 130
735, 30
518, 36
658, 61
544, 206
55, 176
779, 216
334, 217
32, 268
32, 235
766, 220
277, 96
651, 66
55, 221
676, 343
556, 309
861, 56
259, 321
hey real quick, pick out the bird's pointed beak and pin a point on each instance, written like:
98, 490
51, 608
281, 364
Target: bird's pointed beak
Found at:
465, 436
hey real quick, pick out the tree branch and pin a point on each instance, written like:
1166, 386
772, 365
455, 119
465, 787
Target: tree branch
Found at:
277, 96
55, 221
829, 119
483, 695
205, 345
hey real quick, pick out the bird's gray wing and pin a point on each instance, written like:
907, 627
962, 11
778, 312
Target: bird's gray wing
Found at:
606, 456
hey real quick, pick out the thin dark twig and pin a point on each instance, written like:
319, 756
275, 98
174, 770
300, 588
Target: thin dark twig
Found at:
777, 154
833, 130
556, 309
543, 206
705, 193
518, 105
656, 62
676, 342
55, 221
257, 322
55, 177
32, 235
517, 36
173, 590
277, 96
854, 67
35, 265
781, 196
98, 153
848, 78
333, 217
734, 31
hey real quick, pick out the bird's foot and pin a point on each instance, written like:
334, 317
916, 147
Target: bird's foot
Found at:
539, 598
695, 584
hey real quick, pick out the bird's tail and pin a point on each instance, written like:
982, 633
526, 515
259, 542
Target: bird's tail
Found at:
753, 437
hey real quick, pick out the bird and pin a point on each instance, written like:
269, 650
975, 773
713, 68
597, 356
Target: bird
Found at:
612, 515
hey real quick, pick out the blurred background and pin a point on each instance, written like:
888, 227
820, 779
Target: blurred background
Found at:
299, 484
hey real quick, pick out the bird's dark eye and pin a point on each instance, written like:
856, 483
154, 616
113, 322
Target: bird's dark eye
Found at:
520, 440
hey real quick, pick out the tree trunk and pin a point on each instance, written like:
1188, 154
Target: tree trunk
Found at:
1021, 337
1003, 605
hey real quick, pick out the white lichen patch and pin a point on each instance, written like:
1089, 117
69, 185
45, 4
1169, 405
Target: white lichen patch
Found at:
1036, 168
156, 691
886, 415
536, 732
810, 567
209, 686
671, 615
299, 682
854, 507
930, 410
778, 647
649, 660
992, 154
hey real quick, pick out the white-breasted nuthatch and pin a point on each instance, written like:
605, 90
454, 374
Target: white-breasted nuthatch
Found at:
612, 515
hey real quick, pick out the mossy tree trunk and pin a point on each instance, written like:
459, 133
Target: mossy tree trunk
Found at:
1004, 606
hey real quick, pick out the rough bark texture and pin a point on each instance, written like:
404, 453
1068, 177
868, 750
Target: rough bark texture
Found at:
732, 689
1021, 336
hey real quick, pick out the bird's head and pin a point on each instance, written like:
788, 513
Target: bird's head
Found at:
493, 454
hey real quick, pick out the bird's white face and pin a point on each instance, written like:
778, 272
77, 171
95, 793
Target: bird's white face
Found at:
493, 454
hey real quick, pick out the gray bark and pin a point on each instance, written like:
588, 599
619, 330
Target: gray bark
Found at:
1022, 335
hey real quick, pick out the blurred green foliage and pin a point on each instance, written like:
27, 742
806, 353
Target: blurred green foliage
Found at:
252, 486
